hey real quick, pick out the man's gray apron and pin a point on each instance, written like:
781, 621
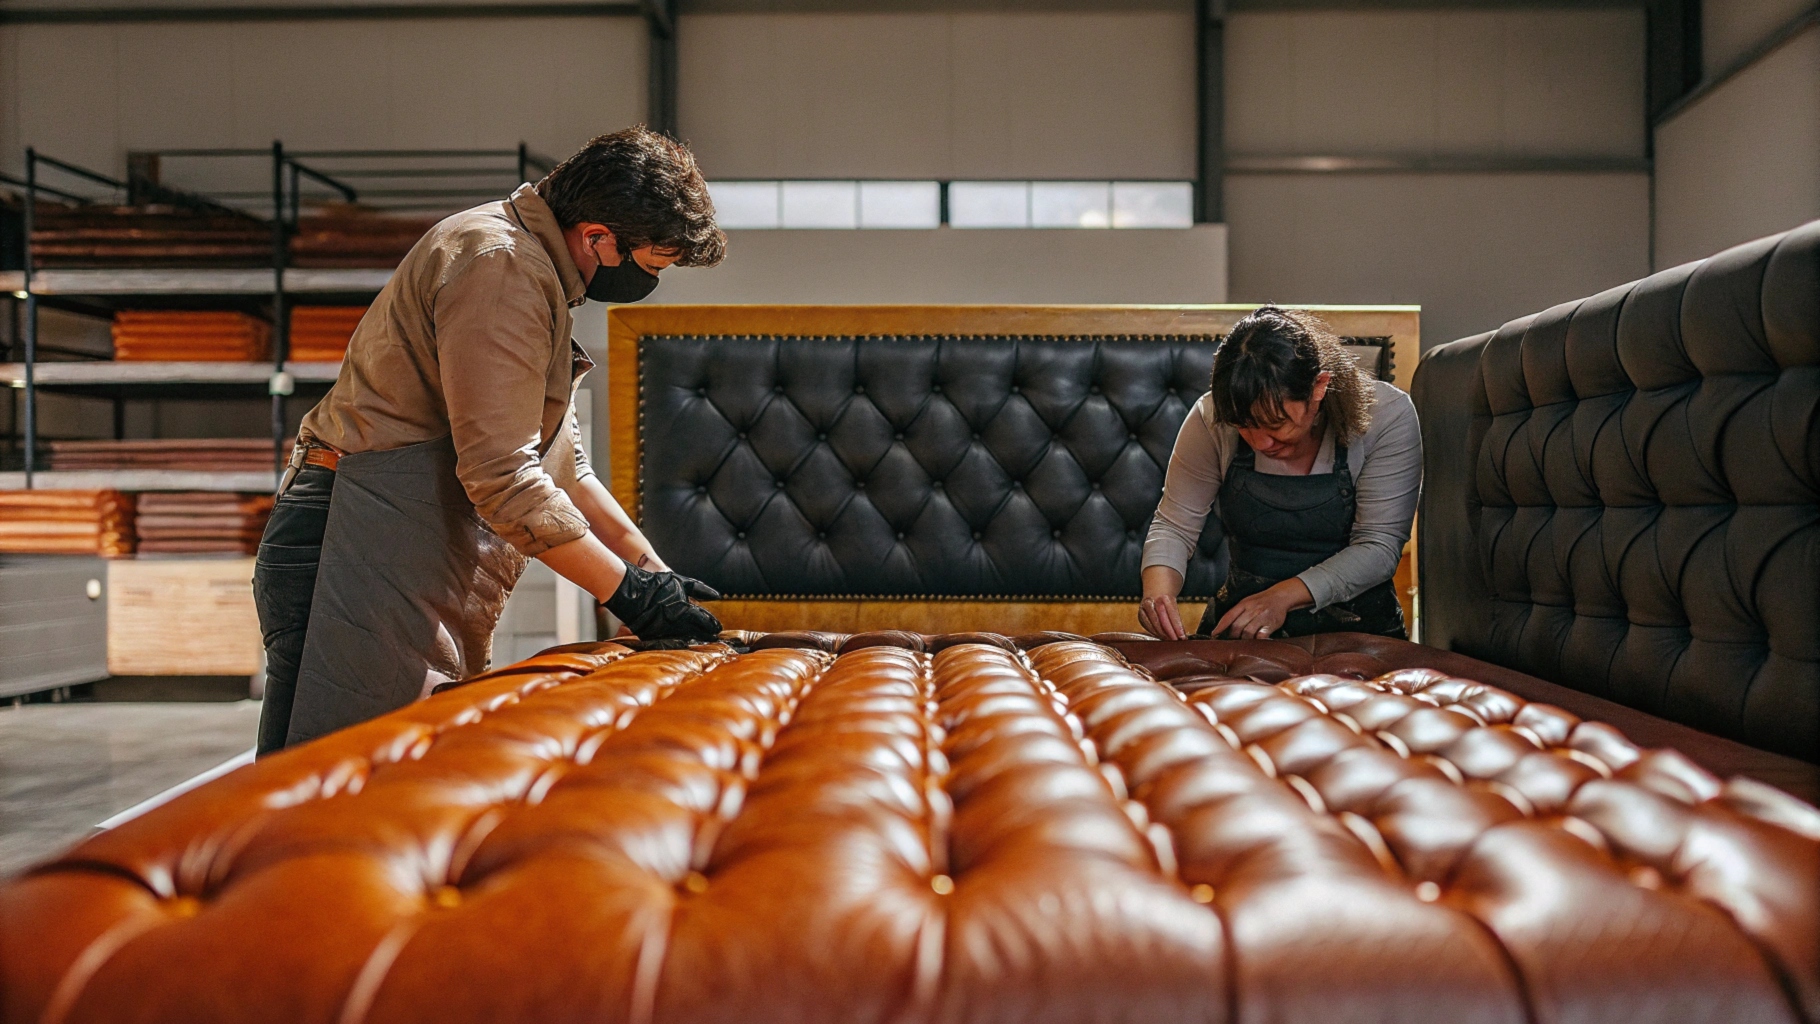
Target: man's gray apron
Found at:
1281, 526
409, 588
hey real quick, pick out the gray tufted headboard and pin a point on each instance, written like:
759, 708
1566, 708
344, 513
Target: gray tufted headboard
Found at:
1622, 494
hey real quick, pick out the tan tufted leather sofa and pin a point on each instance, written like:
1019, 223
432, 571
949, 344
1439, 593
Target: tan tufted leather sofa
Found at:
894, 827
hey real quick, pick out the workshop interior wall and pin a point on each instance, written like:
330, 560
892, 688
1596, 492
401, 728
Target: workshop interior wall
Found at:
1047, 94
1729, 29
960, 266
1742, 161
90, 93
1473, 249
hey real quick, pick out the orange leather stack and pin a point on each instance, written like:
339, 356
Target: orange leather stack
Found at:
197, 455
190, 335
66, 523
320, 334
956, 828
93, 235
196, 522
354, 236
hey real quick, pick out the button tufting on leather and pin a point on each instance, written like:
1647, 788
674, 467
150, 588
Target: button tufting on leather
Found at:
1632, 475
693, 833
1046, 449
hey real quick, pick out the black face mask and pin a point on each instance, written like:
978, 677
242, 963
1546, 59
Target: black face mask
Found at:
627, 282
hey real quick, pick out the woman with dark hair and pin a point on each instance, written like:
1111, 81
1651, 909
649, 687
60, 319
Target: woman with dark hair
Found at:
1313, 469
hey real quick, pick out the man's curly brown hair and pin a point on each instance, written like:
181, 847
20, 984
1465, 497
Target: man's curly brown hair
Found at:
645, 187
1273, 356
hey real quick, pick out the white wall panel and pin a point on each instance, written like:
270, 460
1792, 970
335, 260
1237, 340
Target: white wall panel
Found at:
1073, 95
807, 95
939, 95
1474, 250
1730, 28
1744, 161
88, 93
951, 265
1436, 83
66, 86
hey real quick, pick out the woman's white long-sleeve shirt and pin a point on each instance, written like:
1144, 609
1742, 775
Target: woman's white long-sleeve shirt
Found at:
1386, 467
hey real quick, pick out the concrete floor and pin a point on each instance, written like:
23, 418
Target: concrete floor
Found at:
64, 768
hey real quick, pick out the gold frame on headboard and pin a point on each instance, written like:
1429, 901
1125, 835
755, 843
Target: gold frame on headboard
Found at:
626, 325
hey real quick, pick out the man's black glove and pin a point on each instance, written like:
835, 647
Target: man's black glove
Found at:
697, 590
655, 606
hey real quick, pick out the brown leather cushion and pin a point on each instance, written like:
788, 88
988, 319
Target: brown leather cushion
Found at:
915, 829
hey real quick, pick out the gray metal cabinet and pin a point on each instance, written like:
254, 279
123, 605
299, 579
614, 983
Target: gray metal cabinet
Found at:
53, 621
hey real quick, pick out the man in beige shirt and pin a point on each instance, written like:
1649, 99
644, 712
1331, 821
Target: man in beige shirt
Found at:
447, 453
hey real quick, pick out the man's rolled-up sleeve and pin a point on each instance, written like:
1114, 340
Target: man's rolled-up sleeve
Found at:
493, 331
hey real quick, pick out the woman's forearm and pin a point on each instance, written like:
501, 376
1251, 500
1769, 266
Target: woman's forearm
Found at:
1161, 581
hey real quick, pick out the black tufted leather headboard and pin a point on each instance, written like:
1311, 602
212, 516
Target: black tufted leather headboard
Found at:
915, 465
1635, 511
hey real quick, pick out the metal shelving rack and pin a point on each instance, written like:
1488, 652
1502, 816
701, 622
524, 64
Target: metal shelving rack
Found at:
387, 179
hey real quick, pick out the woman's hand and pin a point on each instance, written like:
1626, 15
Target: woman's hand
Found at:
1158, 613
1262, 614
1160, 618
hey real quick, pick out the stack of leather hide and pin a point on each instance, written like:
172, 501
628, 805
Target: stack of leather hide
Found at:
147, 236
353, 236
194, 522
206, 455
320, 334
66, 523
184, 334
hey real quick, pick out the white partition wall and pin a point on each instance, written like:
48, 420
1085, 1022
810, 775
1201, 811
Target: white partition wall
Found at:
1742, 160
1471, 94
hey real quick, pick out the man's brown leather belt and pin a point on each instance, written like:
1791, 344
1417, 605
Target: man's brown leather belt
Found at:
327, 458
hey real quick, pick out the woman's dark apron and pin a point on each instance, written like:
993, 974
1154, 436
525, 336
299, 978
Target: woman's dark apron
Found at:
1281, 526
409, 587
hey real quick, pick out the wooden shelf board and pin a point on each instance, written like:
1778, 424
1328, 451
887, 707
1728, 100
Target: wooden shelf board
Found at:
140, 480
198, 281
102, 372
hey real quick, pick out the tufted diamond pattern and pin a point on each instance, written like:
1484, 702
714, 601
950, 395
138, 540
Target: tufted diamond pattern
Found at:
895, 466
1643, 493
958, 828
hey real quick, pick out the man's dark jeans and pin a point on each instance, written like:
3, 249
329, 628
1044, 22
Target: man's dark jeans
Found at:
284, 580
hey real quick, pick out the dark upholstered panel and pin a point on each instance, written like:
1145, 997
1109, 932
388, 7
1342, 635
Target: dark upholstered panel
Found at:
898, 466
1641, 489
